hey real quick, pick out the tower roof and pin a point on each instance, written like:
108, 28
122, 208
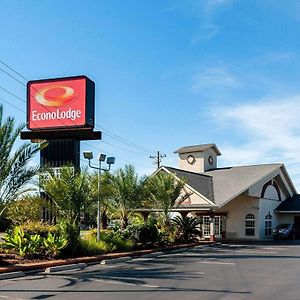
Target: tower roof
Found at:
198, 148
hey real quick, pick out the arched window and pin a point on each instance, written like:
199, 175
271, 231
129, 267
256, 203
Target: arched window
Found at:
250, 225
268, 224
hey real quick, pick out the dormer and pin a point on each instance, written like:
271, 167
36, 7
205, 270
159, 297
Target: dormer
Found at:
198, 158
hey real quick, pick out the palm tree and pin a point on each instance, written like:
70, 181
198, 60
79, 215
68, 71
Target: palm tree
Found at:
15, 174
70, 192
128, 192
165, 193
187, 227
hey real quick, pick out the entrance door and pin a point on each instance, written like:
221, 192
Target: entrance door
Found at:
206, 226
297, 227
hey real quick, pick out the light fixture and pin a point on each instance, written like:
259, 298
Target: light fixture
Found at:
88, 154
102, 157
110, 160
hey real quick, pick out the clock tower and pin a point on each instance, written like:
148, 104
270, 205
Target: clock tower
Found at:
198, 158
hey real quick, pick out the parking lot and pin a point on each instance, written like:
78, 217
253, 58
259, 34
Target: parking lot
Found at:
222, 271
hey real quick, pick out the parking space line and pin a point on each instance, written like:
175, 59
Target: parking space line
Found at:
256, 252
113, 282
216, 263
124, 283
273, 248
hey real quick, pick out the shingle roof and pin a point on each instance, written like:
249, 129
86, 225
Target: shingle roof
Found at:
290, 204
200, 182
223, 184
231, 182
198, 148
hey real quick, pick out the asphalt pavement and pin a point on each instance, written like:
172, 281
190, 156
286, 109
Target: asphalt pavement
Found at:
239, 271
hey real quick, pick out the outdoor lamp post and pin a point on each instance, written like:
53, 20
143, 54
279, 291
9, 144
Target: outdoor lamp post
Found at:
110, 161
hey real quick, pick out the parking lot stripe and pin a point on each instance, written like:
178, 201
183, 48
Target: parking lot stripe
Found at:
273, 248
256, 252
216, 263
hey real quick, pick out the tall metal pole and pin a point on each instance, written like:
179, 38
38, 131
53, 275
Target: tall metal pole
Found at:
98, 204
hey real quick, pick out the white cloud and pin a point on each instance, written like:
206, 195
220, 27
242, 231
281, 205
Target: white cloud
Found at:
204, 11
214, 77
271, 130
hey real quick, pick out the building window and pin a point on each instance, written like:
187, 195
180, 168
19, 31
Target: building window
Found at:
250, 225
206, 226
268, 225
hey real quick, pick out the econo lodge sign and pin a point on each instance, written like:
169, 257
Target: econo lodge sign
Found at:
60, 103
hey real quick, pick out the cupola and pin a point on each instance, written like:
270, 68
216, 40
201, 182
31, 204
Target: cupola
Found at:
198, 158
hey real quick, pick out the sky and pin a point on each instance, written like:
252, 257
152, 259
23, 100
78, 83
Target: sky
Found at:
168, 73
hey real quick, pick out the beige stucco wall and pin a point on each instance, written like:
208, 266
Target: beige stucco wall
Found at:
193, 199
201, 164
237, 210
267, 206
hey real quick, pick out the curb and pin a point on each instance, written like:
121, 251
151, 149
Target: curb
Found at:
42, 266
66, 268
12, 275
115, 260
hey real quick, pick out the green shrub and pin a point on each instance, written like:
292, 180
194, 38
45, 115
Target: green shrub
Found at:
187, 228
92, 247
54, 244
146, 234
28, 208
71, 232
116, 241
110, 241
40, 228
22, 243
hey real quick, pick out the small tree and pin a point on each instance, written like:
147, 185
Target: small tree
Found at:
128, 193
15, 173
165, 193
70, 192
28, 208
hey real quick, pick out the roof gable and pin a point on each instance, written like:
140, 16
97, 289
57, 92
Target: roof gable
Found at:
230, 182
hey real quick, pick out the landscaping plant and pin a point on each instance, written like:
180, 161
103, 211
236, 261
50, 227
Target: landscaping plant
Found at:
187, 228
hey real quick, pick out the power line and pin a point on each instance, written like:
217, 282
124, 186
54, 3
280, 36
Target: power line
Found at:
12, 94
122, 140
108, 132
11, 76
6, 65
124, 149
12, 105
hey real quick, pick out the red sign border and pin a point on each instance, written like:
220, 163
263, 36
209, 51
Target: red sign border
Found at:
89, 103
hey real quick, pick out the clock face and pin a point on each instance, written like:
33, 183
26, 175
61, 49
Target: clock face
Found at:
191, 159
210, 160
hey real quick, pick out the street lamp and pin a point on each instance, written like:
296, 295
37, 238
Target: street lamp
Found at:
110, 161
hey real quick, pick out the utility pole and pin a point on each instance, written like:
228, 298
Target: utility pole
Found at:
158, 158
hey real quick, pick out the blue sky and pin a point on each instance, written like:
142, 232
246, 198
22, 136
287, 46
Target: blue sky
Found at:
169, 73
